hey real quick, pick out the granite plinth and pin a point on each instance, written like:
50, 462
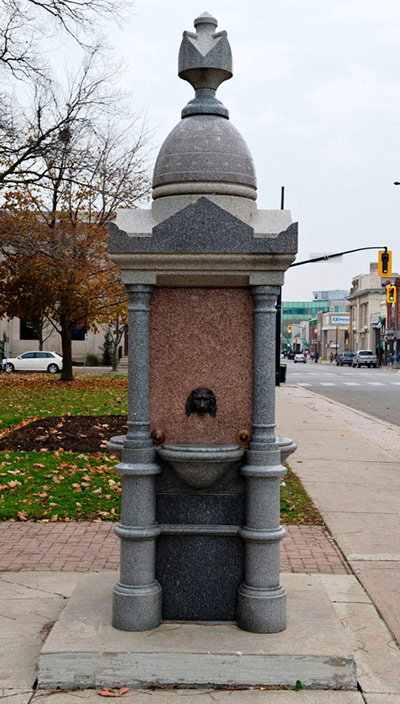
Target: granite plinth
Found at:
199, 555
84, 650
200, 576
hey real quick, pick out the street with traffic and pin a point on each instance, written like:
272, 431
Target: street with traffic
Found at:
373, 391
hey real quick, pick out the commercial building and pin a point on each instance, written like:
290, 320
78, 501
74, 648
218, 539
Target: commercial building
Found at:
333, 334
374, 324
300, 319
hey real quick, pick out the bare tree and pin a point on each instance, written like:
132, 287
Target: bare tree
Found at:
29, 134
23, 23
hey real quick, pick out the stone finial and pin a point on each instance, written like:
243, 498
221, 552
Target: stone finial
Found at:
205, 61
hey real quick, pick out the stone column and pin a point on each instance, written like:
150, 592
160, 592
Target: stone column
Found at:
261, 599
137, 596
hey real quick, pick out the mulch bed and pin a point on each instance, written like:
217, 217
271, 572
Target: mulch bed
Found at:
76, 433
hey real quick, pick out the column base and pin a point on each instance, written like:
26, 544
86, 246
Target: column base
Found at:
261, 610
136, 608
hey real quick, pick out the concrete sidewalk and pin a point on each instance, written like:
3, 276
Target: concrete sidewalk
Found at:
350, 466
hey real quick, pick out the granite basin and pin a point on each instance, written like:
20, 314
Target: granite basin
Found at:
286, 445
200, 466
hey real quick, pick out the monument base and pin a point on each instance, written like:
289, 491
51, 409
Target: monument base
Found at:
84, 650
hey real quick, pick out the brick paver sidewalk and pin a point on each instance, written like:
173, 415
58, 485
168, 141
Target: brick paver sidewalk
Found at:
86, 546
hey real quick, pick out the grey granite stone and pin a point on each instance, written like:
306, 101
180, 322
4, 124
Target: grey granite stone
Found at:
205, 60
137, 595
205, 148
202, 227
200, 576
243, 208
261, 600
168, 482
203, 509
200, 466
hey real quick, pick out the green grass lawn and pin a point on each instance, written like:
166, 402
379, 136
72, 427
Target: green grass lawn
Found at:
58, 486
61, 486
24, 396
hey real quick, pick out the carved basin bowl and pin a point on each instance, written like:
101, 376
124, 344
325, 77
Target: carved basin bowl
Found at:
200, 466
287, 447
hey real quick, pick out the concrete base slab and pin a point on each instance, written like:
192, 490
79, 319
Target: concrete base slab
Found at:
209, 696
84, 650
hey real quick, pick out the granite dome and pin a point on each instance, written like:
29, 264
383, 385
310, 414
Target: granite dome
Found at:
204, 153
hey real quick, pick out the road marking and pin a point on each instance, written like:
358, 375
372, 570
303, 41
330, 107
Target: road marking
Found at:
302, 383
395, 383
351, 383
327, 383
375, 383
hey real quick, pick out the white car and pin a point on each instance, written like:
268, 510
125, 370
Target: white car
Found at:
34, 362
300, 358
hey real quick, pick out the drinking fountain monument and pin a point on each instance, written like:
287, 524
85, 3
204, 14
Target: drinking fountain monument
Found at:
200, 464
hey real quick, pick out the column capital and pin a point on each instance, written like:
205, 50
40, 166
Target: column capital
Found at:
264, 290
139, 288
264, 298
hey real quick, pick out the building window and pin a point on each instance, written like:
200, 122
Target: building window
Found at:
25, 332
78, 333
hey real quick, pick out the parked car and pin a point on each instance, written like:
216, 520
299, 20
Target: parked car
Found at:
345, 358
364, 357
34, 362
300, 358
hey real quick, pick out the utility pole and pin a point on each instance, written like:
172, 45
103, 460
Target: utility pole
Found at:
278, 329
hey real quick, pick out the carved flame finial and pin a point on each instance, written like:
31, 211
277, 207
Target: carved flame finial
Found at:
205, 61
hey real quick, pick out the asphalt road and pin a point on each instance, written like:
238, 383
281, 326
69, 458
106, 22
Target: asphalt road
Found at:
373, 391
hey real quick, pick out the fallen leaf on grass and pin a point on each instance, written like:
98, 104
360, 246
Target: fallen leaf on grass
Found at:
107, 692
13, 483
22, 516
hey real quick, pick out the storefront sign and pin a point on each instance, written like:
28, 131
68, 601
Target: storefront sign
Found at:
340, 319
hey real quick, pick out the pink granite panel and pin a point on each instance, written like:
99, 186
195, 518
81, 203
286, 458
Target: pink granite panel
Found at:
201, 337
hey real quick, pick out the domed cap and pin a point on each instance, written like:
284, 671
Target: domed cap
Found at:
204, 153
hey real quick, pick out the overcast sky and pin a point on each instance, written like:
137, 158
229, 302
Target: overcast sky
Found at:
315, 93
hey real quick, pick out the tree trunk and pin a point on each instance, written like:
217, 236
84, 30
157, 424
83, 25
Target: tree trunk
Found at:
114, 356
115, 343
66, 341
40, 334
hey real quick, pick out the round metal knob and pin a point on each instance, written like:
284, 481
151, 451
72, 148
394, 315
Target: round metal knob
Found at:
158, 437
243, 437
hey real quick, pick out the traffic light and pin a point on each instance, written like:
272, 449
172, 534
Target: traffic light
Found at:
391, 294
384, 262
289, 328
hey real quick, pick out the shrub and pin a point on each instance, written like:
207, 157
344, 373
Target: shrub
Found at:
92, 360
107, 349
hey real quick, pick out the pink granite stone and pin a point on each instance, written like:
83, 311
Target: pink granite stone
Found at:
201, 338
